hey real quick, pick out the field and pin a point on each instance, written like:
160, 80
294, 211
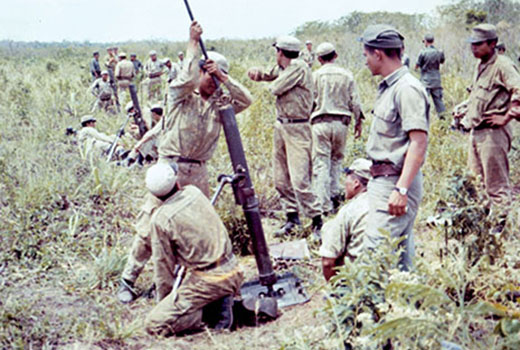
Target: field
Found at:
67, 219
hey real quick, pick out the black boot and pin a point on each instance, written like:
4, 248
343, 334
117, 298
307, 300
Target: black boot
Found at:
317, 224
292, 220
219, 313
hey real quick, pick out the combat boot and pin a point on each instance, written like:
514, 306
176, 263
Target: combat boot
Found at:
126, 293
219, 313
293, 220
316, 226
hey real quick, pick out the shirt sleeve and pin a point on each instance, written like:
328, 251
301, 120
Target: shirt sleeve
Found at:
188, 77
102, 137
355, 101
289, 78
413, 108
271, 74
334, 236
511, 80
241, 97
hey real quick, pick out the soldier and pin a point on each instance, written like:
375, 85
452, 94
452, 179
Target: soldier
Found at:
405, 59
137, 64
429, 61
110, 63
187, 135
493, 102
187, 231
153, 70
293, 87
181, 59
308, 55
344, 235
336, 102
102, 90
91, 139
397, 142
172, 69
95, 69
124, 73
501, 48
149, 149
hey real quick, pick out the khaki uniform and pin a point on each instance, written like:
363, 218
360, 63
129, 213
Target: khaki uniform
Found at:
430, 60
110, 64
124, 74
153, 71
344, 235
103, 92
202, 245
293, 88
336, 101
401, 106
149, 149
188, 134
173, 72
496, 87
91, 139
308, 56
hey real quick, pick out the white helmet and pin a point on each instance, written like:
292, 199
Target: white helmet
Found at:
161, 178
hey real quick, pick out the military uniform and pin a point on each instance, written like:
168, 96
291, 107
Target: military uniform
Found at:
401, 107
95, 69
103, 92
336, 101
153, 71
429, 61
110, 64
308, 56
91, 139
124, 73
137, 65
186, 230
495, 90
188, 135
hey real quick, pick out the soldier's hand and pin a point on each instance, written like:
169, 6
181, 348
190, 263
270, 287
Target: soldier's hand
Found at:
358, 129
254, 74
212, 68
195, 31
497, 119
397, 204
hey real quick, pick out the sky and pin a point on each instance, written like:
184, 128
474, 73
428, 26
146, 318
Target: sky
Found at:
124, 20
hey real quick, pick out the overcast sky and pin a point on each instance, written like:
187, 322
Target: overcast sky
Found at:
122, 20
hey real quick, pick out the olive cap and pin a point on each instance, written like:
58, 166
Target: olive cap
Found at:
288, 43
360, 167
87, 118
382, 36
161, 178
483, 32
325, 49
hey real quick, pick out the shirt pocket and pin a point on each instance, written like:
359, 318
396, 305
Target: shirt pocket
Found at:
386, 122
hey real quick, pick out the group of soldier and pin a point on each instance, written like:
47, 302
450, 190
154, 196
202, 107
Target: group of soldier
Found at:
178, 227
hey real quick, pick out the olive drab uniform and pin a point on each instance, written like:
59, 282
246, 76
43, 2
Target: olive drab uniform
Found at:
308, 56
149, 149
103, 92
344, 235
495, 89
336, 102
92, 140
186, 230
401, 106
124, 73
153, 71
110, 64
293, 88
95, 69
429, 61
187, 134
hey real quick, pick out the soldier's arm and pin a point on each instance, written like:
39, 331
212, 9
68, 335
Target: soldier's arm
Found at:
442, 57
291, 77
333, 247
241, 97
510, 78
355, 107
118, 71
101, 136
149, 135
258, 74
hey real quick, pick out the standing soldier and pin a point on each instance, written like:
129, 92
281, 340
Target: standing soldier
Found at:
172, 70
153, 70
137, 64
308, 55
187, 135
102, 90
124, 73
293, 87
429, 61
493, 102
110, 63
95, 69
397, 142
336, 102
181, 59
501, 48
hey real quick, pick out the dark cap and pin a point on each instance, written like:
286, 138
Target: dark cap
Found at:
483, 32
501, 46
133, 55
95, 53
382, 36
428, 37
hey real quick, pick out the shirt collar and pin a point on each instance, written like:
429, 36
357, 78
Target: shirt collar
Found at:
393, 78
492, 60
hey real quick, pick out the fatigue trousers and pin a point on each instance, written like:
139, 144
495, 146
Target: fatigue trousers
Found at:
104, 105
436, 94
487, 157
141, 250
292, 167
153, 86
379, 190
328, 151
122, 88
181, 311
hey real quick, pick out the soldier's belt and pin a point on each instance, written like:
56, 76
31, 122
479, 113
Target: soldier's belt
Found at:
179, 159
154, 75
485, 125
291, 121
105, 98
345, 119
384, 169
222, 261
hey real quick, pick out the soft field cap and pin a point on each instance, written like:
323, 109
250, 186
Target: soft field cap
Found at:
382, 36
360, 167
428, 37
160, 179
152, 52
483, 32
166, 60
104, 72
324, 49
289, 43
129, 106
220, 60
87, 118
122, 54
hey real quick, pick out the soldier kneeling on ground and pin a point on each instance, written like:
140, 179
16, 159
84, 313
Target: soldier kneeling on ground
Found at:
186, 231
89, 139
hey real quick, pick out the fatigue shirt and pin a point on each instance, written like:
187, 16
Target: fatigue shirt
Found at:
95, 67
153, 67
495, 90
192, 126
110, 62
343, 236
293, 88
401, 106
102, 89
173, 72
335, 92
92, 136
308, 56
137, 65
196, 235
430, 60
125, 70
